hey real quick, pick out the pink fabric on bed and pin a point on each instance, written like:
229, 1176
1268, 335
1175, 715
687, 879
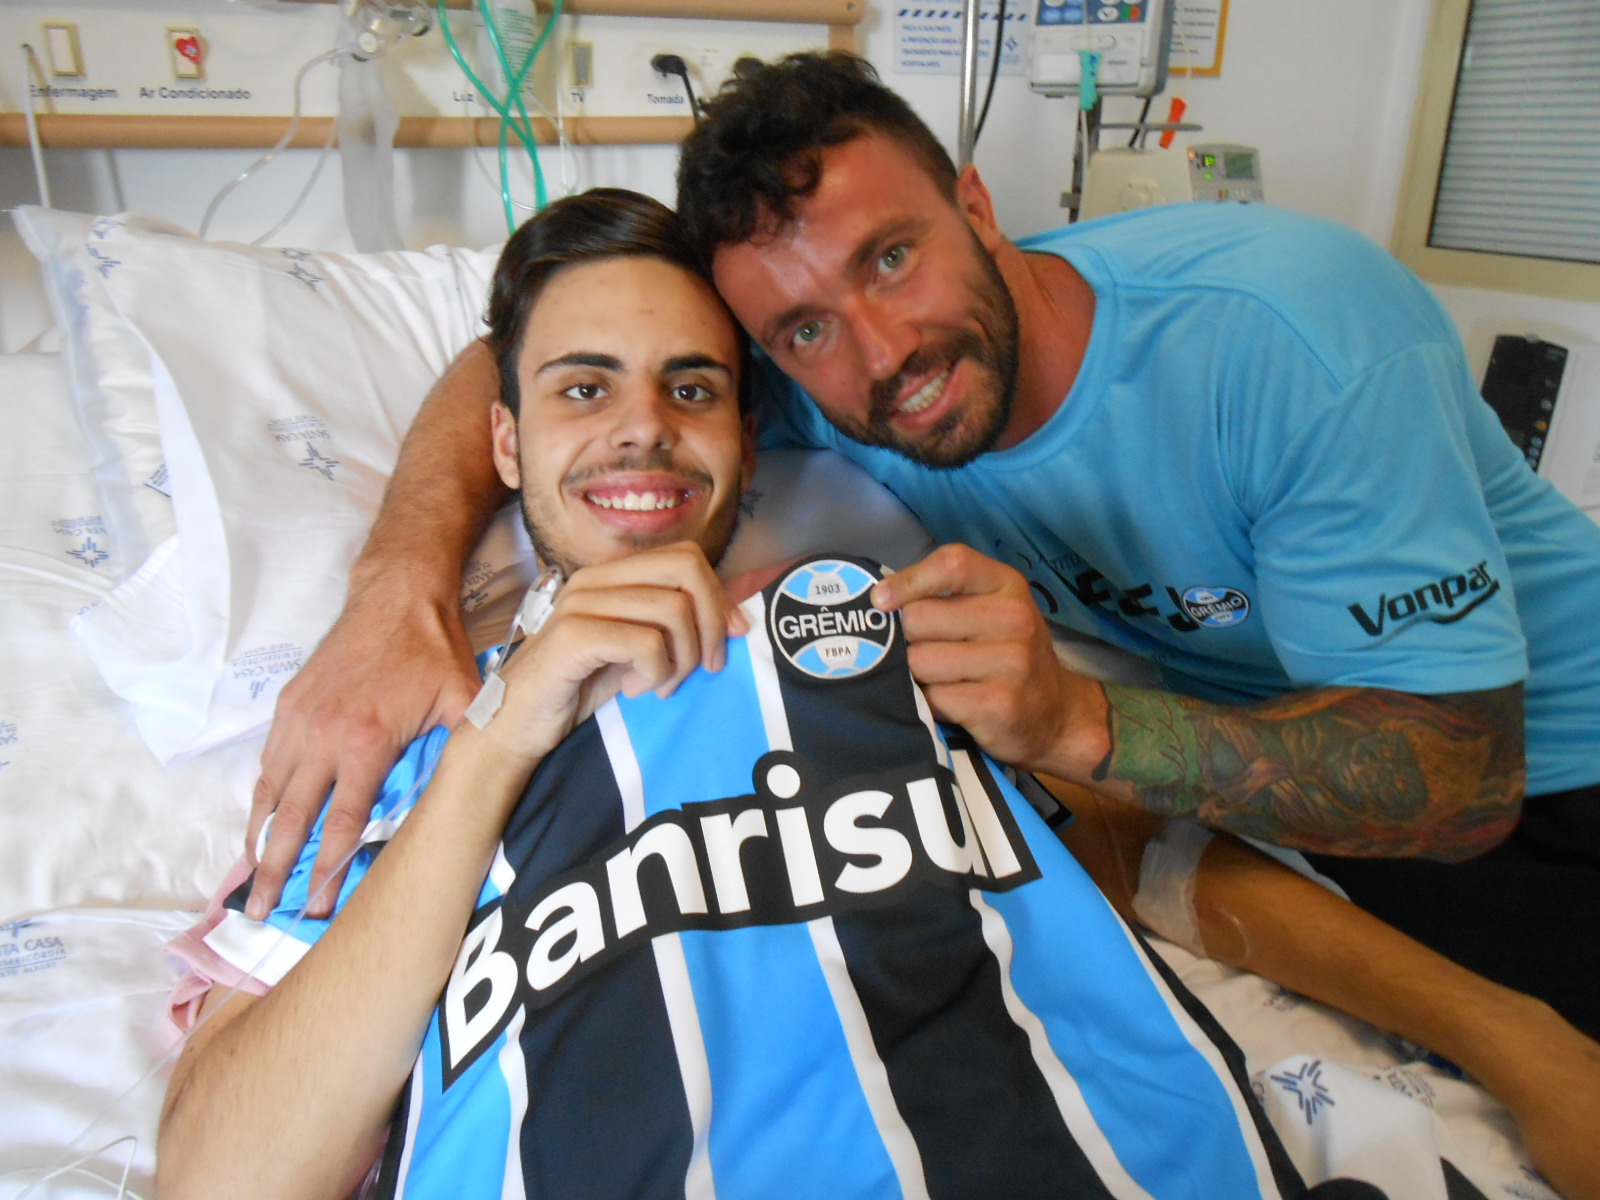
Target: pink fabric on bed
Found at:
207, 968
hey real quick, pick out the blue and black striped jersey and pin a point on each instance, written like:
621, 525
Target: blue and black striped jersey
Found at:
784, 935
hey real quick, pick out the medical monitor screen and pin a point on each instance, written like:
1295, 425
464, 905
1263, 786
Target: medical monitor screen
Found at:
1241, 165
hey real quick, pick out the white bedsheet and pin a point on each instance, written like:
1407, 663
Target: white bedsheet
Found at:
85, 1046
1348, 1099
85, 1043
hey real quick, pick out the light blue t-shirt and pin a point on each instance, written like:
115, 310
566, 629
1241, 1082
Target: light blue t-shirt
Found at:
1274, 472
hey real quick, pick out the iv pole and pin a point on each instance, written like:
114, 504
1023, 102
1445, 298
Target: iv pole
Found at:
967, 117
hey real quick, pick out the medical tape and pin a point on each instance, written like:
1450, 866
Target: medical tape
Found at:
1165, 899
532, 614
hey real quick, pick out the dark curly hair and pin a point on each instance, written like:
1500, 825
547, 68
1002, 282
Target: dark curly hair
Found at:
759, 146
597, 224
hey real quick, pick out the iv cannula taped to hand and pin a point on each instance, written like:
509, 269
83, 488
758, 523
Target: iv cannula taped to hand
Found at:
532, 614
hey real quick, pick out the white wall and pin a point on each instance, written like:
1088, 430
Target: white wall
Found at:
1481, 315
1325, 90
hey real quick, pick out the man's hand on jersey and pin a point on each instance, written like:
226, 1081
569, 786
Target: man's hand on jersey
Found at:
979, 647
385, 673
639, 624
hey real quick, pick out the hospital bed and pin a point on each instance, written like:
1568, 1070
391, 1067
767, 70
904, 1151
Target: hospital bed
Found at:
186, 480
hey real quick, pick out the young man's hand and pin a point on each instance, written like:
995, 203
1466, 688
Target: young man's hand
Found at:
639, 624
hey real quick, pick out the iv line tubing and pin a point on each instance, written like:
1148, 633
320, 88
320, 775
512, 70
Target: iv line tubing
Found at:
31, 60
322, 159
288, 135
525, 131
508, 123
541, 193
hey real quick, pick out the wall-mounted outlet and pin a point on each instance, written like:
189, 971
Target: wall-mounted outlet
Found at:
660, 85
61, 47
707, 66
187, 52
580, 64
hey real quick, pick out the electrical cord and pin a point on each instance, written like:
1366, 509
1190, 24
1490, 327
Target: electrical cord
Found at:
994, 71
30, 63
673, 64
1136, 138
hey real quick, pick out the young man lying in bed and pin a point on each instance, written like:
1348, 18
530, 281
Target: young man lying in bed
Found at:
777, 935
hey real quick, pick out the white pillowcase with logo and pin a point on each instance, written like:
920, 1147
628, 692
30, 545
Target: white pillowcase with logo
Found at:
283, 382
108, 369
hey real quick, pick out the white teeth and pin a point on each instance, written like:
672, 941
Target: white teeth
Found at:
925, 395
639, 501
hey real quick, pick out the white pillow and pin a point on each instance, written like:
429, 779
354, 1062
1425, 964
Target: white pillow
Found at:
108, 369
283, 382
819, 502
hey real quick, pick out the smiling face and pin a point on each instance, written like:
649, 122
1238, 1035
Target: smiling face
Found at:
629, 434
883, 300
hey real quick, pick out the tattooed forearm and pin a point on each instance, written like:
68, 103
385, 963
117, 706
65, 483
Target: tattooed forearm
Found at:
1338, 770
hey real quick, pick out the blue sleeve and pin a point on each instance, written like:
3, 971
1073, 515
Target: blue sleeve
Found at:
1378, 562
396, 797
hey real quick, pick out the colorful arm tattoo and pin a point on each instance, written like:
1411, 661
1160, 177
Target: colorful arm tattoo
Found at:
1337, 770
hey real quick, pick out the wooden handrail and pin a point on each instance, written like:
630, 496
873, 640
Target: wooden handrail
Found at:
810, 12
58, 131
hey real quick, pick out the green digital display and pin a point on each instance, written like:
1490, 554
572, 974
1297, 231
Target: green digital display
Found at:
1239, 166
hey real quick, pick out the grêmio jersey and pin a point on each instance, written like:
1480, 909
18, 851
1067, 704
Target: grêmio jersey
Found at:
782, 935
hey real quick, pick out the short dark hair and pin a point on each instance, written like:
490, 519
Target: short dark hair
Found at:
598, 224
759, 144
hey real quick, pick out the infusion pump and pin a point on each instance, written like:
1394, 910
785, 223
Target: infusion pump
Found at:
1120, 179
1131, 40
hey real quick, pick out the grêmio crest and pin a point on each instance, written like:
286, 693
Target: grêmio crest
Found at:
822, 622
